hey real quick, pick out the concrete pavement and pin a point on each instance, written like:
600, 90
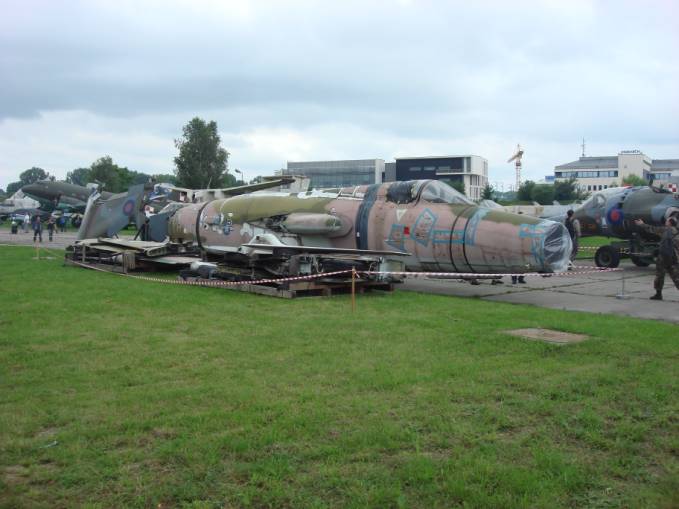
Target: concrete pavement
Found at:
61, 240
579, 290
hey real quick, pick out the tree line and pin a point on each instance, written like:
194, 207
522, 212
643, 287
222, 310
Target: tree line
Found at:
201, 163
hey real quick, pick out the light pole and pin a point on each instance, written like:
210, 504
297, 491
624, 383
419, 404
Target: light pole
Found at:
241, 176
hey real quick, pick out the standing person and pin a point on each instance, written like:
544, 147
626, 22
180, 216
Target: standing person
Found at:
62, 223
573, 227
37, 228
668, 253
51, 227
27, 221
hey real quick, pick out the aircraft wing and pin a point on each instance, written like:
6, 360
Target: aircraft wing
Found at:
250, 188
279, 248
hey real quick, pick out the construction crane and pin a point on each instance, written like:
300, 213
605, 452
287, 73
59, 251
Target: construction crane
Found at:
517, 157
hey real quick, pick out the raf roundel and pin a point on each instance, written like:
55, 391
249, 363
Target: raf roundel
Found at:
128, 207
615, 216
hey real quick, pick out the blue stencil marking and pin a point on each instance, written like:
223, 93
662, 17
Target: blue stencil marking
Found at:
536, 234
470, 234
423, 227
396, 238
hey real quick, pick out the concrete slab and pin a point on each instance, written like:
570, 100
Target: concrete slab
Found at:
548, 336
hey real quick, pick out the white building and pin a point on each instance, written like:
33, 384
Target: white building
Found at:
597, 173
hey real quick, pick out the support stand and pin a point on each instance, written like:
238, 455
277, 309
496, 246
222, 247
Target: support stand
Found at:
622, 295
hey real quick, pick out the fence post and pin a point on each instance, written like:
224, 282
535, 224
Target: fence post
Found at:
353, 289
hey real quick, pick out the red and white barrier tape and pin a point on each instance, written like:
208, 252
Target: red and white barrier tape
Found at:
449, 275
471, 275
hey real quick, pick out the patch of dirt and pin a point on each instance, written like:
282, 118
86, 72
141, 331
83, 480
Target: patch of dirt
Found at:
15, 474
163, 433
548, 336
47, 433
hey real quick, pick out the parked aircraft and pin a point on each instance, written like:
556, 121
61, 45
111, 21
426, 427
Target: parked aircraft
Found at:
555, 212
55, 192
423, 224
612, 212
15, 203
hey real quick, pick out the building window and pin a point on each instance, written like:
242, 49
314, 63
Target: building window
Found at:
415, 168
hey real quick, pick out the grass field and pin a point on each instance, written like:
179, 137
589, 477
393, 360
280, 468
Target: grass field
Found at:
116, 392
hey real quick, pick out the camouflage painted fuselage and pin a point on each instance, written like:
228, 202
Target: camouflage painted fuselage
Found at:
612, 212
438, 228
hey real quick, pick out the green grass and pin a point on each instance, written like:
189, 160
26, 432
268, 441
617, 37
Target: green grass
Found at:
116, 392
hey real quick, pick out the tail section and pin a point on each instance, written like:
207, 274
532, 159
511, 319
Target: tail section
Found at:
106, 217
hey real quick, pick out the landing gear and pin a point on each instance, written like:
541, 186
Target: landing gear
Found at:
607, 257
641, 252
640, 262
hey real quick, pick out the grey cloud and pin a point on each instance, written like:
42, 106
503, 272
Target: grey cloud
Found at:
420, 70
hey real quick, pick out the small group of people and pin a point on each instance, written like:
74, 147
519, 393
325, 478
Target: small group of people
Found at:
36, 225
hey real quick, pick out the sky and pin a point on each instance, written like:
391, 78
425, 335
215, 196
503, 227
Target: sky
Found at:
305, 80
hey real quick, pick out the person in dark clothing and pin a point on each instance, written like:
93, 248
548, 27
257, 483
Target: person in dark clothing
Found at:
37, 228
664, 264
573, 227
51, 227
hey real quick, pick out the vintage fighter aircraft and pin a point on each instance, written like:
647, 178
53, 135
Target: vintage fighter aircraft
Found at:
612, 212
57, 192
424, 224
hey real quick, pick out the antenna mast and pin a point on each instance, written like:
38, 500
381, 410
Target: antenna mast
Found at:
583, 147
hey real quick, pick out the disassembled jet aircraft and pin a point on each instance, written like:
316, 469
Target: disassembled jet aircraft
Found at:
166, 193
612, 213
424, 225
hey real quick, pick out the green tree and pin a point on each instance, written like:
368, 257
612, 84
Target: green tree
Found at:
32, 175
79, 176
201, 162
488, 193
165, 178
458, 185
525, 190
542, 193
109, 176
566, 190
13, 187
634, 180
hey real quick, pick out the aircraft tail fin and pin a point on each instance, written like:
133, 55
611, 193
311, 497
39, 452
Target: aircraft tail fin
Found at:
105, 218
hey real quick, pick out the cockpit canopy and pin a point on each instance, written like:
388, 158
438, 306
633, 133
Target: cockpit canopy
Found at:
432, 191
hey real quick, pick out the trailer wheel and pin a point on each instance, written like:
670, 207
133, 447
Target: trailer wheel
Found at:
607, 257
640, 262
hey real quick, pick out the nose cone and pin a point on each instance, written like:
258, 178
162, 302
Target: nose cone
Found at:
502, 242
33, 189
556, 247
